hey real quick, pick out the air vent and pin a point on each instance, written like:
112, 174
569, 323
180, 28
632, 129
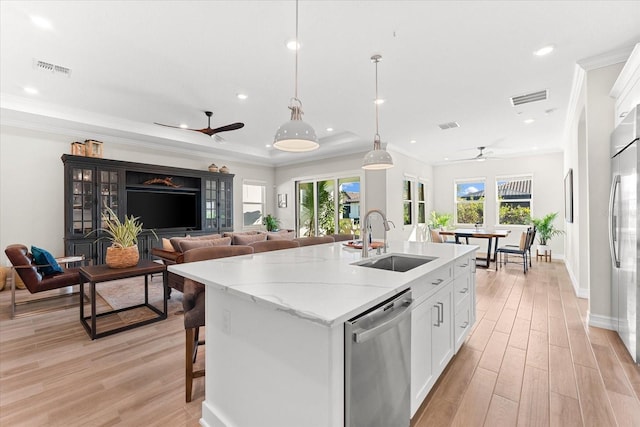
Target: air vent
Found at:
51, 68
529, 97
450, 125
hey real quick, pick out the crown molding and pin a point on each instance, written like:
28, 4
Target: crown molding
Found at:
605, 59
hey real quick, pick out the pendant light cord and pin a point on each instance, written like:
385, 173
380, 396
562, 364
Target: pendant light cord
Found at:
297, 48
377, 136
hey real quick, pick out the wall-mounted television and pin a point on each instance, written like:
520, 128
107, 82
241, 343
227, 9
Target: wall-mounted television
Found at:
164, 209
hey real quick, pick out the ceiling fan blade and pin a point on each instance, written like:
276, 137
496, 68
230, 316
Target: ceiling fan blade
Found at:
232, 126
176, 127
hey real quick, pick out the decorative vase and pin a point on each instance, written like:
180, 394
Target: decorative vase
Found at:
213, 167
224, 169
122, 257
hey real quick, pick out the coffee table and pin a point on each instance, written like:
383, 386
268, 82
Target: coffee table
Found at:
102, 273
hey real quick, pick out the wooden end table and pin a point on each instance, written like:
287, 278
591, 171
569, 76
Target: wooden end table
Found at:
102, 273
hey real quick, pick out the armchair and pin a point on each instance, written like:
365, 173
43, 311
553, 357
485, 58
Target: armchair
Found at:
24, 265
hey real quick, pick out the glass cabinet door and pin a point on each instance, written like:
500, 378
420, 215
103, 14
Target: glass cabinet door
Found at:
82, 200
108, 189
226, 206
210, 204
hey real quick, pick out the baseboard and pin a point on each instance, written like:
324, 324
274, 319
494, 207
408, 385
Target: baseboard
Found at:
209, 417
580, 292
598, 321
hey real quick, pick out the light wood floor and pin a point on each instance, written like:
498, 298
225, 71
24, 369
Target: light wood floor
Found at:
529, 361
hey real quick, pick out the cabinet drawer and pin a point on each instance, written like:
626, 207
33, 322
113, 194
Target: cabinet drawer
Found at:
462, 324
461, 289
424, 285
462, 266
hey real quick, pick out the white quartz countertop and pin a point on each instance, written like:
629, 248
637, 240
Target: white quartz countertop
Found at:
317, 283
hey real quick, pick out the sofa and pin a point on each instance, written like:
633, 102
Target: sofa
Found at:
172, 251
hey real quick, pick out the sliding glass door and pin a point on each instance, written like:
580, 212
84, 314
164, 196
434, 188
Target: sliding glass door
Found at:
328, 206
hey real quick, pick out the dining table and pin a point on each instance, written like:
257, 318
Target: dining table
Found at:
492, 236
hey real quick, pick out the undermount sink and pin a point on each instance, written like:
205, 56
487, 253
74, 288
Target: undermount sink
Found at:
395, 262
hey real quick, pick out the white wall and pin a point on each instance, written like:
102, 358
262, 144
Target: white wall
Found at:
587, 151
32, 183
599, 125
547, 189
380, 189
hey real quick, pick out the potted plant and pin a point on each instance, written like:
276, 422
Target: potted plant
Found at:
440, 220
123, 236
271, 222
546, 230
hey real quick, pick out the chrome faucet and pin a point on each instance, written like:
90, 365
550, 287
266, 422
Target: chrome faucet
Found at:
366, 233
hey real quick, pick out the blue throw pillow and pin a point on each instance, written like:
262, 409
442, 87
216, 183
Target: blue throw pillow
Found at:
43, 257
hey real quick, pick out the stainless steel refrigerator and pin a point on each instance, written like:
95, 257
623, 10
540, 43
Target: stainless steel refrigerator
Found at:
623, 231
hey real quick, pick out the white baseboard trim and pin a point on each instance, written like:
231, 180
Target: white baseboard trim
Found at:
580, 292
598, 321
210, 418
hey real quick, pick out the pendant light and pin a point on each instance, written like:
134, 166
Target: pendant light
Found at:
296, 135
378, 158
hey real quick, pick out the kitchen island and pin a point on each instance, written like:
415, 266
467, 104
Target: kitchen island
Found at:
275, 334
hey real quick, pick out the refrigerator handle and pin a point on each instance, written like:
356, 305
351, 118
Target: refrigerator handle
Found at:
613, 223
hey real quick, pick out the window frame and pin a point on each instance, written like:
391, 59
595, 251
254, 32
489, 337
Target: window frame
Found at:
516, 177
262, 204
412, 215
478, 180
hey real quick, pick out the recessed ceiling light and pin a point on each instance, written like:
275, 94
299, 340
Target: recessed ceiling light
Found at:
183, 126
41, 22
31, 90
293, 45
544, 50
378, 101
528, 121
268, 145
329, 129
413, 141
446, 158
242, 96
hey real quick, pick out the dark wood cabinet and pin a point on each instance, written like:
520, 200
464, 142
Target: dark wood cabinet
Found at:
181, 201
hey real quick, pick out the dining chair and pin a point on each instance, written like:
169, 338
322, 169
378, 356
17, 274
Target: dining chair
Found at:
521, 250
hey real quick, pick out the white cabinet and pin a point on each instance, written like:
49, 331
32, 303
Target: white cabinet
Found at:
626, 89
440, 323
464, 298
431, 342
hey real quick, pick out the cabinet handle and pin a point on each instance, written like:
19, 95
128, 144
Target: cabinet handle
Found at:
441, 313
464, 291
463, 265
464, 325
438, 307
437, 282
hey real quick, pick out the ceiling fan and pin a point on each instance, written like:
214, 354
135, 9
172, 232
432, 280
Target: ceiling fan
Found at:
481, 157
208, 130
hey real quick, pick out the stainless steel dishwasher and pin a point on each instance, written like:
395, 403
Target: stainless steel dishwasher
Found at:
378, 365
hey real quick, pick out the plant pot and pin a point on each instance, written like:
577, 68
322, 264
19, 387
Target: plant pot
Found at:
122, 257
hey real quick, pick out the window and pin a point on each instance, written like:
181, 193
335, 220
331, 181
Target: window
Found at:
422, 209
407, 198
470, 198
514, 200
253, 200
328, 206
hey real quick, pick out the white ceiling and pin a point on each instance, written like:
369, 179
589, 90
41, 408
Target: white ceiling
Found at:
138, 62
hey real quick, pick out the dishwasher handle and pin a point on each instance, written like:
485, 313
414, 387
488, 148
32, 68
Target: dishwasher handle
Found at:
398, 315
